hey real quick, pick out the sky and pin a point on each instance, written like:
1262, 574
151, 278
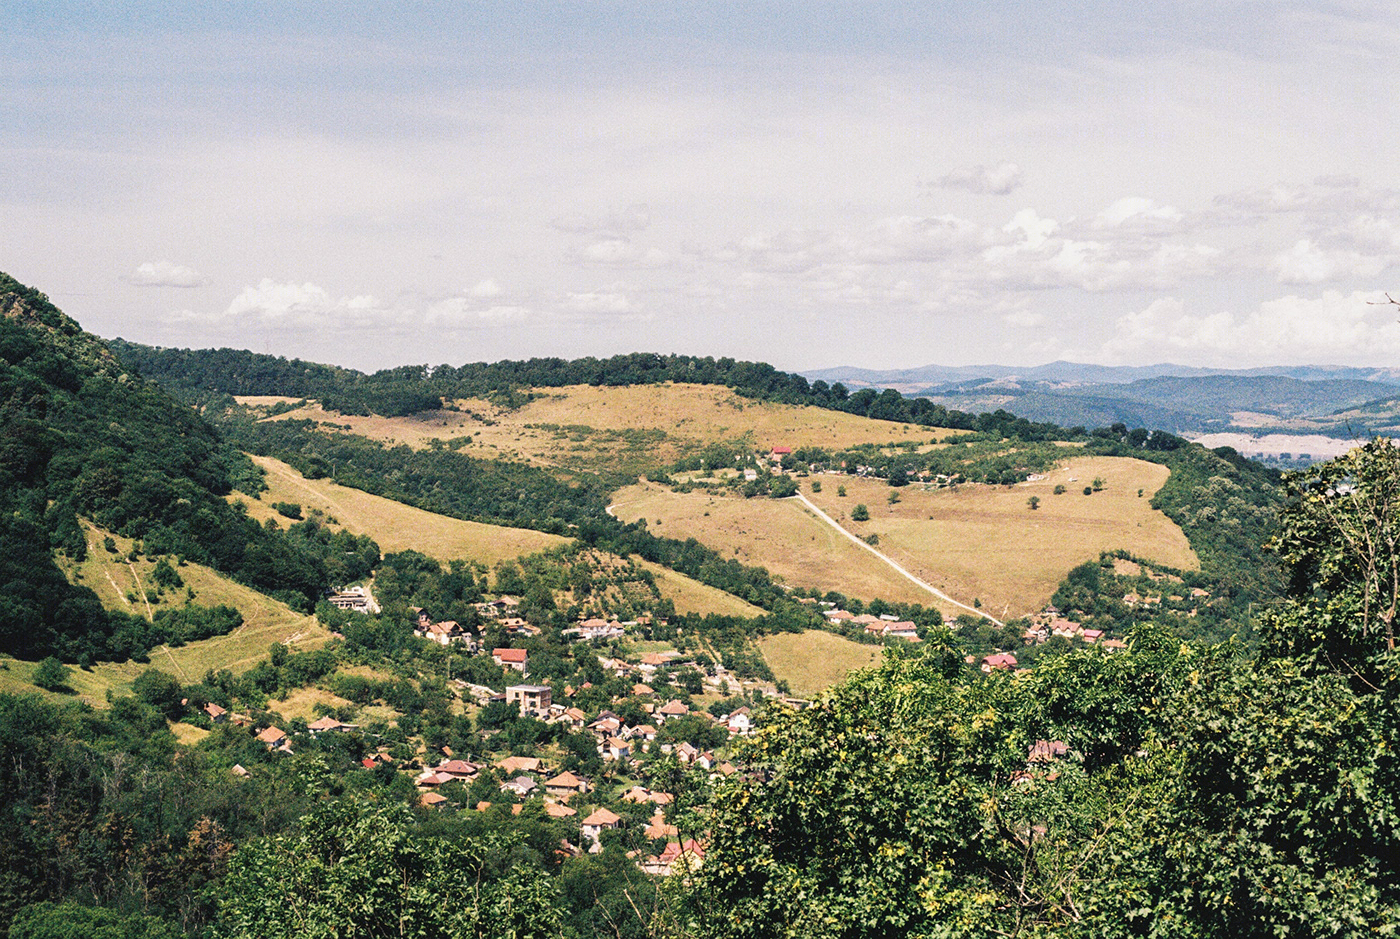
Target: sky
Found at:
811, 184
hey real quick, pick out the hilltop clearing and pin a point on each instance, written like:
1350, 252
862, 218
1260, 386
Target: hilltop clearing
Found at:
608, 430
975, 542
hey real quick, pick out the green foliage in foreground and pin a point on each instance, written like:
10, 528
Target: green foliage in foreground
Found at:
365, 871
1200, 793
1201, 796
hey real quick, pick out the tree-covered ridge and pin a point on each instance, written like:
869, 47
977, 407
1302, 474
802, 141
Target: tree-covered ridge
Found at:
81, 437
199, 374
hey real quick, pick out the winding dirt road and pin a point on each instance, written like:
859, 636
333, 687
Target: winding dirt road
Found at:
897, 567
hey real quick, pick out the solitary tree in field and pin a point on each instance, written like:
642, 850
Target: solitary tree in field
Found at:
51, 675
1033, 502
860, 513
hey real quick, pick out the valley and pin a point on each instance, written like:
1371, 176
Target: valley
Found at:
623, 639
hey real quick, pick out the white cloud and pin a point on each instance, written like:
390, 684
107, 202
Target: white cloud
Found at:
463, 312
485, 288
1000, 180
611, 301
1307, 263
305, 304
1136, 209
1333, 328
1032, 227
166, 274
620, 252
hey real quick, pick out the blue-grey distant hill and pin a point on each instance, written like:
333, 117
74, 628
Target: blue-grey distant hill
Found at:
1179, 399
1061, 371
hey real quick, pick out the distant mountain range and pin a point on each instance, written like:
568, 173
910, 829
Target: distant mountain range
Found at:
1081, 372
1182, 399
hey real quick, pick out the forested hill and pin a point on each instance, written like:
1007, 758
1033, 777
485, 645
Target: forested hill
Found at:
81, 437
196, 375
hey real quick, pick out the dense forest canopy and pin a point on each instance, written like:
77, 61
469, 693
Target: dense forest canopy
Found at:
81, 436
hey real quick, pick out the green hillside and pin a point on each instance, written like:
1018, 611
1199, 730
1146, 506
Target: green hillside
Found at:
81, 437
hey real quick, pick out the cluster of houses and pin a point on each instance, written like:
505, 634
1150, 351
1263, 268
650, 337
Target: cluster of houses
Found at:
525, 778
272, 737
878, 626
1049, 622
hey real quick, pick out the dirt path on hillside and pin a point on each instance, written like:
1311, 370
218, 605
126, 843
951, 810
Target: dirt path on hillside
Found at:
897, 567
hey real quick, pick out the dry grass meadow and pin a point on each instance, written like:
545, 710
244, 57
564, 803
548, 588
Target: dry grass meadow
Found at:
629, 429
977, 543
780, 535
395, 526
398, 527
814, 660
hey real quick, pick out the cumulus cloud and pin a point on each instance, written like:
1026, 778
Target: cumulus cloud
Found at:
1000, 180
485, 288
166, 274
920, 238
273, 303
619, 252
1334, 328
1135, 209
1308, 263
467, 311
609, 301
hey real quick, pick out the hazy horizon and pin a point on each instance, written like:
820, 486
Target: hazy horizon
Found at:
873, 185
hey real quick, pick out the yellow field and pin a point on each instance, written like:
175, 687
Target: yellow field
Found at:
395, 526
813, 660
301, 702
984, 542
628, 429
980, 542
691, 596
779, 534
16, 677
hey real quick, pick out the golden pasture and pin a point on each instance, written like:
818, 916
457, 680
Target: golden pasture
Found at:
395, 526
399, 527
977, 543
779, 534
813, 660
646, 425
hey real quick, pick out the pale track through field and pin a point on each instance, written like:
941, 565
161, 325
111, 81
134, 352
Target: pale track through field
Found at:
888, 560
892, 563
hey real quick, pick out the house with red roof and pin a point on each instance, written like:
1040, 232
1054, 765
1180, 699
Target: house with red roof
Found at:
517, 659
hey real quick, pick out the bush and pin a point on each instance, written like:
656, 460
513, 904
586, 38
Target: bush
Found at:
860, 513
51, 675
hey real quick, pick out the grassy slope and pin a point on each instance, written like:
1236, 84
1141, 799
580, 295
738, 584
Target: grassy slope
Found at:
630, 429
813, 660
115, 579
981, 542
397, 527
780, 535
